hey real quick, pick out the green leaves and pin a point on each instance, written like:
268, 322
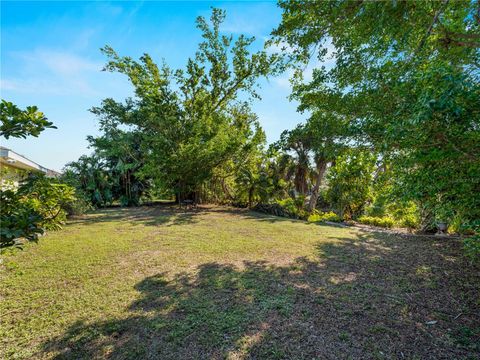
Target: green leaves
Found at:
19, 219
350, 182
190, 122
48, 197
39, 203
404, 82
22, 123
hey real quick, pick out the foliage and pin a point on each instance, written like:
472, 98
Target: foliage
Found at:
385, 203
190, 121
350, 182
405, 78
18, 219
288, 207
386, 222
252, 184
472, 242
20, 123
329, 133
298, 141
48, 197
441, 168
122, 153
90, 176
38, 203
79, 206
294, 206
324, 216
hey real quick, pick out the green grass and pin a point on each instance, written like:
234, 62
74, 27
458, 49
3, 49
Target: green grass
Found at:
160, 283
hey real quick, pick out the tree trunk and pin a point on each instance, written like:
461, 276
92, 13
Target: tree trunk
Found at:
250, 196
300, 180
321, 167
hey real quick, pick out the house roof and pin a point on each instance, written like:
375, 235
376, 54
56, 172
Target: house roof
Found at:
15, 160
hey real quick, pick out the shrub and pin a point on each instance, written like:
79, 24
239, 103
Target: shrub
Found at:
294, 207
18, 219
289, 205
38, 204
49, 198
77, 207
409, 221
321, 217
386, 222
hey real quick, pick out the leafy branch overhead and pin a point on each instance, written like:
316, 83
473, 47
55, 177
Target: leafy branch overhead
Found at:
20, 123
404, 83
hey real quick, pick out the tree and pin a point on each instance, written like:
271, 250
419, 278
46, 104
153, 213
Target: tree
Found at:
298, 140
191, 120
35, 205
122, 152
92, 179
406, 74
350, 182
22, 123
329, 135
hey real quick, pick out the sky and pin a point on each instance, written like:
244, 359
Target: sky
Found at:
50, 58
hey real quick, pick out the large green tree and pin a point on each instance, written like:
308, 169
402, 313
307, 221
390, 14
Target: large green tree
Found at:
406, 74
121, 150
192, 120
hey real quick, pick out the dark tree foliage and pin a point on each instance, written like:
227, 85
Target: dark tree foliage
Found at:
190, 121
92, 179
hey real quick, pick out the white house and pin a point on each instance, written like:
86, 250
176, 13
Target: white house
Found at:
13, 167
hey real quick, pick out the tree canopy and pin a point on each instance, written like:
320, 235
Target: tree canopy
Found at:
192, 120
406, 80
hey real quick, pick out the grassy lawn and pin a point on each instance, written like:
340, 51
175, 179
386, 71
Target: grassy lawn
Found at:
159, 283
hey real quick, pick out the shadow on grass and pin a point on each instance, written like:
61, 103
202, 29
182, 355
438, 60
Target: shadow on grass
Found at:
168, 215
145, 215
376, 296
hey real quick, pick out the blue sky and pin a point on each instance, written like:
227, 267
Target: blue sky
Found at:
50, 58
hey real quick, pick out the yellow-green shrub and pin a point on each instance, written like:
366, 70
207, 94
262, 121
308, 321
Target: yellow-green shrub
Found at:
328, 216
386, 222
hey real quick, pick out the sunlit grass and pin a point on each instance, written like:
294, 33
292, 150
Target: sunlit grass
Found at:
133, 283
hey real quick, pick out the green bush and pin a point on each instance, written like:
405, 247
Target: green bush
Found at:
79, 206
294, 207
386, 222
288, 205
18, 219
49, 198
321, 217
38, 203
409, 221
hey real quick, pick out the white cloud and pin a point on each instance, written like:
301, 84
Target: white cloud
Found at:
251, 20
51, 72
84, 38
